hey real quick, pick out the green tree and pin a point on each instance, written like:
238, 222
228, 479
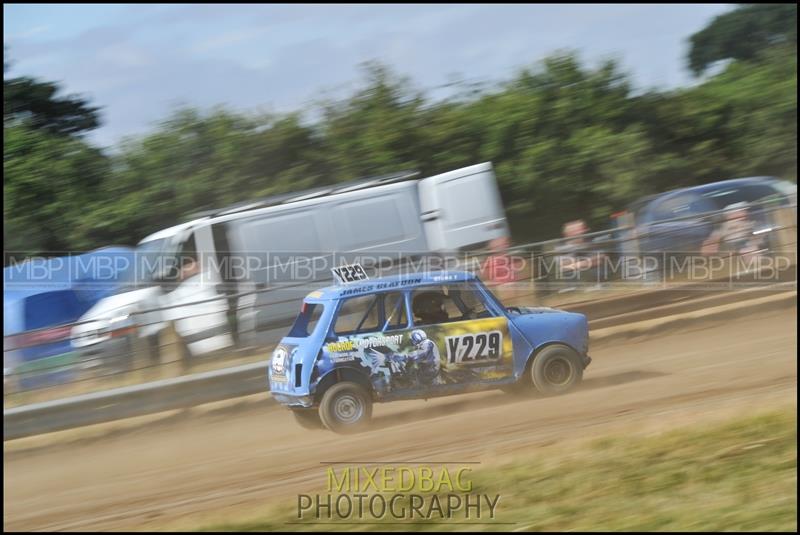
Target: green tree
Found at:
49, 182
377, 130
559, 135
51, 176
567, 141
755, 123
743, 34
197, 162
37, 104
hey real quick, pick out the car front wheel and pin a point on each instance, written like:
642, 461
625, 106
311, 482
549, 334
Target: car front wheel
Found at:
346, 407
556, 370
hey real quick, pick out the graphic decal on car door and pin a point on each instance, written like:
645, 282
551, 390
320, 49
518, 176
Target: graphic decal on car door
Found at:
426, 357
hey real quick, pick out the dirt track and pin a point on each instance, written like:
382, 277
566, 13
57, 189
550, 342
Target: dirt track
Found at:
182, 469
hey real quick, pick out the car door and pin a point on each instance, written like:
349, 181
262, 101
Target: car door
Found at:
197, 310
471, 338
364, 338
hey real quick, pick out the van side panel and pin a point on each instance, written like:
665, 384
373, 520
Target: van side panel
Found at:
285, 251
462, 208
284, 254
379, 221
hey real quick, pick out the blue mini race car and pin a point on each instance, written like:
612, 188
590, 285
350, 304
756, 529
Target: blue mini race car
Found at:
418, 336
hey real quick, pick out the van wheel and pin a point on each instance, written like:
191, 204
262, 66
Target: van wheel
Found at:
307, 418
556, 370
345, 407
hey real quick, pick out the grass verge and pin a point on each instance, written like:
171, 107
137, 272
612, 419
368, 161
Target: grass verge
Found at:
737, 476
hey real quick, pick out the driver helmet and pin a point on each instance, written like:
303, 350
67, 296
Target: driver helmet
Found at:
418, 336
429, 307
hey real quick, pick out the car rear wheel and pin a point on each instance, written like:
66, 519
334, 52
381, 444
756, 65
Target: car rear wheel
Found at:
307, 418
556, 370
346, 407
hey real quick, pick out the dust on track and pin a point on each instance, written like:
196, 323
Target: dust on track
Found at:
241, 460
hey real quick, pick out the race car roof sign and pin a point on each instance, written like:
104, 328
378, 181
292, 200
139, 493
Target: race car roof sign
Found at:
348, 274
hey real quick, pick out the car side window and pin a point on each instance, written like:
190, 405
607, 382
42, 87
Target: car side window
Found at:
188, 259
176, 267
434, 304
394, 307
358, 315
472, 303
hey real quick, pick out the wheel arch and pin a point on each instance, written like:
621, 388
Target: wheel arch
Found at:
338, 375
541, 347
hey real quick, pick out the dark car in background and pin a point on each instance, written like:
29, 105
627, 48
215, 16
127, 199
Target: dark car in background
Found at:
680, 221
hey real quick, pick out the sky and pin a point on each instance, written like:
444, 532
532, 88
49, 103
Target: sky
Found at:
140, 62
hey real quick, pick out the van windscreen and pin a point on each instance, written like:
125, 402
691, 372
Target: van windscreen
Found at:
307, 320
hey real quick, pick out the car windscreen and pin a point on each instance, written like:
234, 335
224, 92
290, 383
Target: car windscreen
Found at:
307, 320
146, 260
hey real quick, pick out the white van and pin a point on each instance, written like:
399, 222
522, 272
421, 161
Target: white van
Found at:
255, 262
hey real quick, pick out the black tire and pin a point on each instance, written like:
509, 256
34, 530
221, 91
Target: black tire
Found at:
346, 407
556, 369
308, 418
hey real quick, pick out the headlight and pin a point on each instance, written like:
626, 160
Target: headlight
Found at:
279, 361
